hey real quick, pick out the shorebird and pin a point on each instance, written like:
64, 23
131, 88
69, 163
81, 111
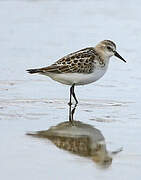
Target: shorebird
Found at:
83, 140
81, 67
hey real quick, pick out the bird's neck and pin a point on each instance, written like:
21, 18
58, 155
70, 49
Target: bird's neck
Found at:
102, 55
103, 60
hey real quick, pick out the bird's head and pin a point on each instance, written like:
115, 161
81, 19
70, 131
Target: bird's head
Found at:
107, 49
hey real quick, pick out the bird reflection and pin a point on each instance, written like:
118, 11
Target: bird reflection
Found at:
79, 138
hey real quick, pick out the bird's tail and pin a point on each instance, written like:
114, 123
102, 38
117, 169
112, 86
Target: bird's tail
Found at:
32, 71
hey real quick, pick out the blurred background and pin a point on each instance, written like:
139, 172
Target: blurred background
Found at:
35, 33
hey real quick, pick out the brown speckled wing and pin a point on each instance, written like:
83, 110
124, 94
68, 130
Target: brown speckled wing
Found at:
79, 145
81, 61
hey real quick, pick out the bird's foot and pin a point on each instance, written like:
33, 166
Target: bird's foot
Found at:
69, 103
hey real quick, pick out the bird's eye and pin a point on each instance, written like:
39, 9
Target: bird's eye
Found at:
109, 48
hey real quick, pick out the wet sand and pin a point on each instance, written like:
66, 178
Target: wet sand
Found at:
35, 34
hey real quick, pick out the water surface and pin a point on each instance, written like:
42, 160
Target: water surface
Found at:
35, 34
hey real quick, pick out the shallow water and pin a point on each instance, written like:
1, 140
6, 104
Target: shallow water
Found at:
35, 33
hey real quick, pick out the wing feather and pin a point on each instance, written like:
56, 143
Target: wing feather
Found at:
81, 61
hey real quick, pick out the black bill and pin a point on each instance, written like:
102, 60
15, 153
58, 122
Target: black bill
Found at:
117, 55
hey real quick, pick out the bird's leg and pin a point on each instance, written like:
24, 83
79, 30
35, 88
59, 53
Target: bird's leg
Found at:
70, 113
71, 90
73, 111
73, 93
76, 102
